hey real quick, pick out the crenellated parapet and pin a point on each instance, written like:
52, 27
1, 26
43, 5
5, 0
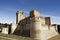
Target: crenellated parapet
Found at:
19, 16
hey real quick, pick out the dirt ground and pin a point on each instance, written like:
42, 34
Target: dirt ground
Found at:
55, 38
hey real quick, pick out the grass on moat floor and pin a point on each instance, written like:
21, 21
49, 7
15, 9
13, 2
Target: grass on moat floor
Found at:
12, 37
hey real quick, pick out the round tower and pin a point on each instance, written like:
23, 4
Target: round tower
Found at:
35, 25
36, 29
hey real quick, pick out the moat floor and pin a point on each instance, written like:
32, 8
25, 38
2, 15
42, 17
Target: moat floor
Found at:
55, 38
12, 37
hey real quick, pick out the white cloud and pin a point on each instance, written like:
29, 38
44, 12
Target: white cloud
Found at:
7, 16
6, 19
26, 13
54, 19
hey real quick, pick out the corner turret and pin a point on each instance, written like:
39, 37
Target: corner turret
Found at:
19, 16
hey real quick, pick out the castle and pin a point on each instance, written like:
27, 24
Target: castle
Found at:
34, 26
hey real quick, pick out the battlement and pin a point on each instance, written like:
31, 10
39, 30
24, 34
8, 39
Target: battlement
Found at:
19, 16
19, 12
47, 21
34, 13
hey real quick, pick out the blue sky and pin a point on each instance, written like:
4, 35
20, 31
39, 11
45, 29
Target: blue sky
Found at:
50, 8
